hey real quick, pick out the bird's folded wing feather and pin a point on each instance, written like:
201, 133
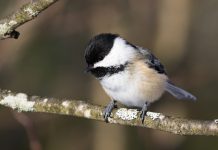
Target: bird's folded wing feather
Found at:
152, 61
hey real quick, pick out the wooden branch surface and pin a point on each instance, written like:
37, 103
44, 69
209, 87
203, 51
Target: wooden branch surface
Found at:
26, 13
23, 103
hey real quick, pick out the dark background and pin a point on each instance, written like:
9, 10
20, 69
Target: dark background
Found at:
47, 60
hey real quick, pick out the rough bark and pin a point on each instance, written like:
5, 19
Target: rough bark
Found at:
26, 13
23, 103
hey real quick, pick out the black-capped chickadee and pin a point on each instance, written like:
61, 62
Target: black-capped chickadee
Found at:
129, 74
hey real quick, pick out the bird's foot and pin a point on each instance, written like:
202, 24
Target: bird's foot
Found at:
108, 110
144, 111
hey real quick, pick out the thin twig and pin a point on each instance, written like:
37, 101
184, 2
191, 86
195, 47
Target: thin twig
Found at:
123, 116
26, 13
27, 123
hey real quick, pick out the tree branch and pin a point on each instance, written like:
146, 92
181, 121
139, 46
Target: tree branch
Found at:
26, 13
123, 116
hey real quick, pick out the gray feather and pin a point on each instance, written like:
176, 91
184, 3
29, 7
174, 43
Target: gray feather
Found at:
152, 61
178, 92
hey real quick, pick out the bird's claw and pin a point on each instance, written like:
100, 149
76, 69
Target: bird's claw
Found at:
142, 116
144, 111
106, 115
108, 110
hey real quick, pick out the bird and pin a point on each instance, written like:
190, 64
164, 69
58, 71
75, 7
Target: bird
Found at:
129, 74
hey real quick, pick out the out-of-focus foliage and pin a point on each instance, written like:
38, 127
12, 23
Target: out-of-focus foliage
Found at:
47, 60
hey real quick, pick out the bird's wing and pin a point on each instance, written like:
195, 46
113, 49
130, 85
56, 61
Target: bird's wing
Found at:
152, 61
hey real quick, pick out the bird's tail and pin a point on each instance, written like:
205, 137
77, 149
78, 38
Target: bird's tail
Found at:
178, 92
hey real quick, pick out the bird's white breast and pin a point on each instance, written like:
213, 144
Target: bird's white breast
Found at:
135, 86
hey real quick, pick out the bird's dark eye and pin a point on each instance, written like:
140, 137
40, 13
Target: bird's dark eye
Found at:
100, 57
90, 65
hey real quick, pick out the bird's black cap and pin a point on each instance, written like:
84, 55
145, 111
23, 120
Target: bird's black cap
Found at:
98, 47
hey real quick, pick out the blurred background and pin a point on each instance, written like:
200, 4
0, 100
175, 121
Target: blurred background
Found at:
48, 60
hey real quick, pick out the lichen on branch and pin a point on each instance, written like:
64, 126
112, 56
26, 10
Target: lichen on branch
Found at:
123, 116
26, 13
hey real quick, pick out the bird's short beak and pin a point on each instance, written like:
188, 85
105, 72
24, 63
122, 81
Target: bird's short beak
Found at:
88, 68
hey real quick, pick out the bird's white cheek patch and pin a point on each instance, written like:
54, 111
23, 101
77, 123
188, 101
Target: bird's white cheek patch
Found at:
127, 114
119, 54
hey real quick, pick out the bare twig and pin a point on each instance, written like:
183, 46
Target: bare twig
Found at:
29, 127
123, 116
26, 13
